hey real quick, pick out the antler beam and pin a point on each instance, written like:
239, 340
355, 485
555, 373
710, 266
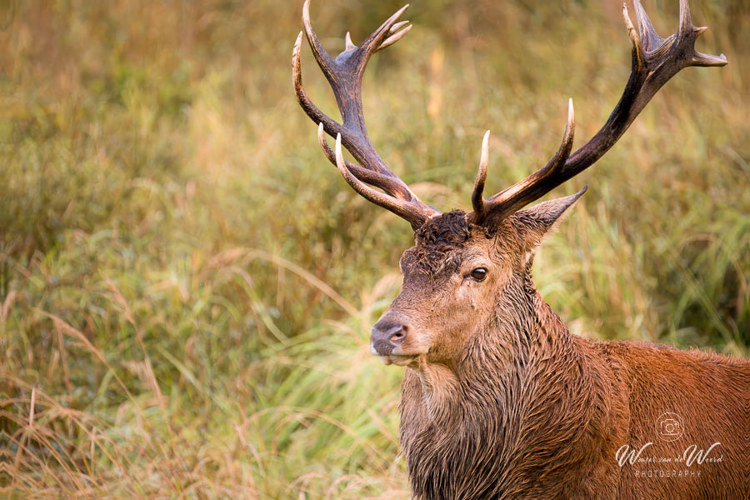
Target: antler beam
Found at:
344, 75
655, 60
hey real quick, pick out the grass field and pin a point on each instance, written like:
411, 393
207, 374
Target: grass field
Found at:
187, 286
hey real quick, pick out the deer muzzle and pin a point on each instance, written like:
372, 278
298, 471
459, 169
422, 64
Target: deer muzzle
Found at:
387, 340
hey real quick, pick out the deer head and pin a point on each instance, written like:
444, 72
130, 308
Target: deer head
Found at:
471, 272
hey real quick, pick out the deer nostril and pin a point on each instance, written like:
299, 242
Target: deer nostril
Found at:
399, 335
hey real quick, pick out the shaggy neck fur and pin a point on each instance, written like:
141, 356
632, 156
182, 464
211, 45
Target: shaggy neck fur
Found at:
520, 411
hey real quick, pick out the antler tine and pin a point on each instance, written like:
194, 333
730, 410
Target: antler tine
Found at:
524, 192
376, 40
373, 178
649, 39
685, 23
402, 208
655, 60
477, 201
344, 74
321, 55
304, 101
397, 35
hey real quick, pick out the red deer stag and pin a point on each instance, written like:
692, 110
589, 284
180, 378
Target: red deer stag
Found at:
499, 399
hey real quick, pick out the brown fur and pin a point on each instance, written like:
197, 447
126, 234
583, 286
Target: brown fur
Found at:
500, 400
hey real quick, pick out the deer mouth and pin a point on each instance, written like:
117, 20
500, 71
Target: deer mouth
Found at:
390, 354
398, 359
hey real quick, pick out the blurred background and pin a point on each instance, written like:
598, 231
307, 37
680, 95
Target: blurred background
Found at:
187, 285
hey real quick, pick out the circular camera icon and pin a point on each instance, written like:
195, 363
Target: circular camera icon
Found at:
669, 426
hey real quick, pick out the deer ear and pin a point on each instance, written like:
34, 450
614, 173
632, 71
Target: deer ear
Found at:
534, 222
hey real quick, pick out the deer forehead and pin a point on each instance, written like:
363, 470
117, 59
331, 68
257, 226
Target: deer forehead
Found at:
446, 243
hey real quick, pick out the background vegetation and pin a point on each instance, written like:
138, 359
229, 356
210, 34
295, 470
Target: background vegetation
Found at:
187, 286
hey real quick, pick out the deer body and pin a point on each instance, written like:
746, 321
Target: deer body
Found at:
529, 410
499, 399
507, 403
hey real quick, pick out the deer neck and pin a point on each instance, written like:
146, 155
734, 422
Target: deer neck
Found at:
517, 390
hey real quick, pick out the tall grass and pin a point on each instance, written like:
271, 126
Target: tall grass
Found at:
186, 286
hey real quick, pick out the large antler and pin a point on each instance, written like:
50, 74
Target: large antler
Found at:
655, 61
345, 77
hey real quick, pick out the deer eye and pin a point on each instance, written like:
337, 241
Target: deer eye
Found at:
479, 274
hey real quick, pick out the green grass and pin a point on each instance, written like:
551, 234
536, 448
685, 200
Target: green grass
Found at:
187, 286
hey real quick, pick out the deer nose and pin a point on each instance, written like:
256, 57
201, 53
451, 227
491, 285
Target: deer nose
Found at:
385, 336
